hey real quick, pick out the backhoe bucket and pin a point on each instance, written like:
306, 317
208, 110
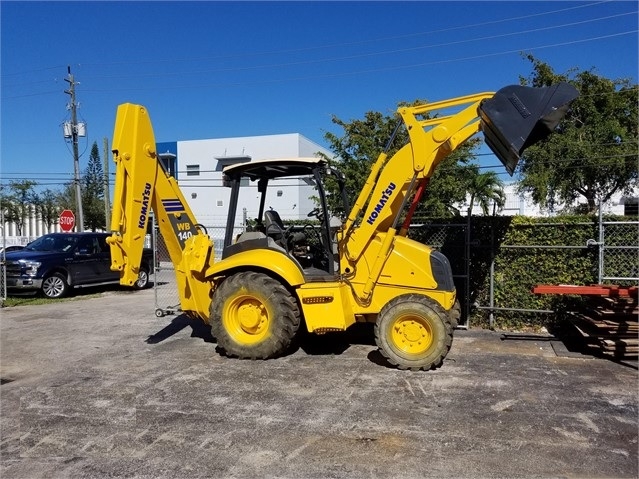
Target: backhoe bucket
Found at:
517, 117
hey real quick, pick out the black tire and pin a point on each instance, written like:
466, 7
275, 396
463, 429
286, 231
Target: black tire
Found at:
253, 316
455, 314
55, 286
143, 278
413, 332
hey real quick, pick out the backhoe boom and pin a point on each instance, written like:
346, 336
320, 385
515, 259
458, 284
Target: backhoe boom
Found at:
142, 185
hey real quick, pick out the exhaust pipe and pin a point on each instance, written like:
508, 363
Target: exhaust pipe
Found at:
517, 117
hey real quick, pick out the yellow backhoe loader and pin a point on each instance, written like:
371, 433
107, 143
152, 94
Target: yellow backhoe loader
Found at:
271, 281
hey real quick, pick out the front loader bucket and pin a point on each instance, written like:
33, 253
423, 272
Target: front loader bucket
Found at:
517, 117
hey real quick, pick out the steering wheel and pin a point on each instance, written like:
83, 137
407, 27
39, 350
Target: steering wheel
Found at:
316, 212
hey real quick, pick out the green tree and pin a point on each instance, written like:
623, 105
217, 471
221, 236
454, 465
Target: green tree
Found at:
595, 154
47, 206
361, 142
93, 192
485, 188
357, 149
66, 197
17, 202
450, 183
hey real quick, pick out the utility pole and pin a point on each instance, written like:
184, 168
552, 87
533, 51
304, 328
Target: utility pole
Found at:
73, 133
107, 194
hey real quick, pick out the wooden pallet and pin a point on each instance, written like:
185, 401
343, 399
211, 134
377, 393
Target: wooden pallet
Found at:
609, 326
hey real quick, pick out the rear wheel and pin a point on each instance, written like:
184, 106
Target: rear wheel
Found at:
55, 286
413, 332
455, 314
253, 316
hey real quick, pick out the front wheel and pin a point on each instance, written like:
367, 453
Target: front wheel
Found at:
253, 316
55, 286
413, 332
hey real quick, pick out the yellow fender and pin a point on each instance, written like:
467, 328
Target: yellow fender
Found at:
268, 260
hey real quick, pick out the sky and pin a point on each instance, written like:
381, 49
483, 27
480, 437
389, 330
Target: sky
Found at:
232, 69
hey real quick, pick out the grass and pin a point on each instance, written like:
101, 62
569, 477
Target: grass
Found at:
74, 295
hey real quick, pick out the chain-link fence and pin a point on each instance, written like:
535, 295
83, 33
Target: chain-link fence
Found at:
3, 278
531, 254
8, 244
496, 261
452, 239
618, 251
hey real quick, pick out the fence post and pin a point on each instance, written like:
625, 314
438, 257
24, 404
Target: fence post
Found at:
600, 246
3, 289
491, 289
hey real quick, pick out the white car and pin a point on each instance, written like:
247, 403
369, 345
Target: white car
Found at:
8, 249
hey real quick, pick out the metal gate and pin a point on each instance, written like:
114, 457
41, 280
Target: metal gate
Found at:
618, 251
439, 236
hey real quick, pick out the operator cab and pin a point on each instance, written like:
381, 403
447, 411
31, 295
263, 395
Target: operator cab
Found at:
287, 201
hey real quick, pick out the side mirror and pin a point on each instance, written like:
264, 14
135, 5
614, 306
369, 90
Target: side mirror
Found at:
517, 117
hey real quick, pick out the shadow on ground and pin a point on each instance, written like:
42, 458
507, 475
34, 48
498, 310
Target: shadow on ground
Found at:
199, 329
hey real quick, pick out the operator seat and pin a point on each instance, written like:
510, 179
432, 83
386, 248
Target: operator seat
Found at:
273, 225
275, 229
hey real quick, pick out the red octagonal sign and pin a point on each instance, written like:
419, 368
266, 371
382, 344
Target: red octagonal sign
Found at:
67, 220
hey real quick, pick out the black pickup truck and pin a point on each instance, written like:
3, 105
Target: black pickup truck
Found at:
56, 262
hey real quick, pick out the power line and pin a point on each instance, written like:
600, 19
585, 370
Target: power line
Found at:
180, 86
157, 74
183, 181
359, 42
183, 73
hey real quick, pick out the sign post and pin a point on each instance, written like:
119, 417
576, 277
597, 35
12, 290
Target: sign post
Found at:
67, 220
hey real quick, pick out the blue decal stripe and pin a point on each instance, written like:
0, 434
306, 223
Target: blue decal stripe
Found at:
172, 205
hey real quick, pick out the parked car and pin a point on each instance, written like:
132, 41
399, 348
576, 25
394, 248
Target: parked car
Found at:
57, 262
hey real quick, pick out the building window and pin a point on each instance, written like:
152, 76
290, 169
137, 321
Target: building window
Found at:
192, 170
169, 162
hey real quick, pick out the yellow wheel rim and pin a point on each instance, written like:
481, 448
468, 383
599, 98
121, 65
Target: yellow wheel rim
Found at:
246, 319
412, 335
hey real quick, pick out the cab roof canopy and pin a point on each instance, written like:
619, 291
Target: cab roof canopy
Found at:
273, 168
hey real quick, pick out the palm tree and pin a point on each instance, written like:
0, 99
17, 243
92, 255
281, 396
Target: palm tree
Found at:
485, 188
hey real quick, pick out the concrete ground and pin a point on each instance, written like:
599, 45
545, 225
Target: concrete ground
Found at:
100, 387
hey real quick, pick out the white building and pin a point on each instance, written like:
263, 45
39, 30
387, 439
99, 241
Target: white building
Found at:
522, 204
198, 164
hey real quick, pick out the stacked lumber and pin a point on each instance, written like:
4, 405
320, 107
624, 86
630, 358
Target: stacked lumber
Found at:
608, 325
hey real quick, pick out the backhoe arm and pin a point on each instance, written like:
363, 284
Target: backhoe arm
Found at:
142, 185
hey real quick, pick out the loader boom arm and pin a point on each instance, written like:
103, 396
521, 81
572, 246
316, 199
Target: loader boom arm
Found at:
141, 186
392, 180
512, 119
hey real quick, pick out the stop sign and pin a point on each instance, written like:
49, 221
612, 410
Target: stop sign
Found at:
67, 220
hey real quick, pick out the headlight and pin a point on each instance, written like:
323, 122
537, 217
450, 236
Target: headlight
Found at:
30, 267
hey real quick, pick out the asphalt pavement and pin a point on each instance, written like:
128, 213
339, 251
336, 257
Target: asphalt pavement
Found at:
100, 387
